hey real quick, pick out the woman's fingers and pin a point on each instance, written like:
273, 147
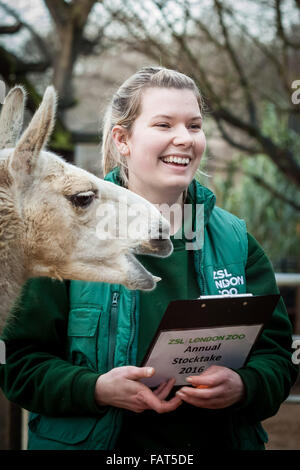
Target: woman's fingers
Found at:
212, 377
200, 402
160, 406
163, 390
137, 373
211, 389
218, 387
202, 397
122, 387
156, 399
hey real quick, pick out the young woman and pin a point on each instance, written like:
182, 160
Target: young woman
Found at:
75, 351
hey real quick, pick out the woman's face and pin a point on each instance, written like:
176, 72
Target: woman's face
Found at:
166, 143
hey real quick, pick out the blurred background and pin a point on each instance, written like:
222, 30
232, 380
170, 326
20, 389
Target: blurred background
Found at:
244, 56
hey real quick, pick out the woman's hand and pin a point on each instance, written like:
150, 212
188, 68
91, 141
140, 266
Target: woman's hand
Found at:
121, 387
219, 387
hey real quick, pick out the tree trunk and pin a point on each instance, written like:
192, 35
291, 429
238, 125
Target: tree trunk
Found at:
63, 66
10, 425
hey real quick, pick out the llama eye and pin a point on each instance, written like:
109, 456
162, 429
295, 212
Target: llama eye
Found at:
83, 199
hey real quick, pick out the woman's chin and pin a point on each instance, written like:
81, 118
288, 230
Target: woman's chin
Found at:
179, 182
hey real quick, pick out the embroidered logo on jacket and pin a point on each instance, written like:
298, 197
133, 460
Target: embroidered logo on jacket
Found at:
227, 283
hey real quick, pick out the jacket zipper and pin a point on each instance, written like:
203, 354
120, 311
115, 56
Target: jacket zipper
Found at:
202, 280
113, 323
203, 288
133, 326
116, 412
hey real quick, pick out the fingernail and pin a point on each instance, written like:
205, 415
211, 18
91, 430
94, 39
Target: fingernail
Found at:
150, 371
189, 379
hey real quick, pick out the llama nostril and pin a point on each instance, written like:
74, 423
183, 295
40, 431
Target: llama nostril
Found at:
162, 231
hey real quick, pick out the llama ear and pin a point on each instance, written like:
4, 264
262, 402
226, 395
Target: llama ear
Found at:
35, 137
11, 118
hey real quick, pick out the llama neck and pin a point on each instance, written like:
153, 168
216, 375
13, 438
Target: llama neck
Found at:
12, 277
12, 269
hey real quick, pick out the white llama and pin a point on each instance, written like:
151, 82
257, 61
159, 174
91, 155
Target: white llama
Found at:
50, 213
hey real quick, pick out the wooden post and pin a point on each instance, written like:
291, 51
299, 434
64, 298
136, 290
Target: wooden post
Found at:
10, 424
3, 422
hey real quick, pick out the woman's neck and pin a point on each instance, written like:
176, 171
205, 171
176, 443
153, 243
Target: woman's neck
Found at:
156, 197
170, 206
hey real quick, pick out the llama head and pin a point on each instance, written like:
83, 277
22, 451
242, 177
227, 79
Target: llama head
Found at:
73, 225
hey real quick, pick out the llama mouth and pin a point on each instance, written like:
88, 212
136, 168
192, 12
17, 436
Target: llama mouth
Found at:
139, 277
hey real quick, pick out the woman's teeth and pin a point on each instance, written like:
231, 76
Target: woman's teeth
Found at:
178, 160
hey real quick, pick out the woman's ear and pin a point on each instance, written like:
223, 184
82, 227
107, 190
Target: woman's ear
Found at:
119, 135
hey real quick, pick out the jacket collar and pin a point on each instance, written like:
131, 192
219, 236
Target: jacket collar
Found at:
199, 194
196, 192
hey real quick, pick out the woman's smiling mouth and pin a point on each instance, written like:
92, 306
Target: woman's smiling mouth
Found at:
176, 161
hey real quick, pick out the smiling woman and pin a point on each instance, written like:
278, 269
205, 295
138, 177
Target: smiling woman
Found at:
164, 151
125, 112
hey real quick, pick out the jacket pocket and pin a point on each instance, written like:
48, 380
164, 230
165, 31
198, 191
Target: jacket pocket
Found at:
65, 430
83, 335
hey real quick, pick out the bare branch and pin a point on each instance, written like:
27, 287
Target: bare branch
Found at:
70, 19
221, 108
261, 182
59, 10
38, 39
236, 64
269, 55
11, 64
283, 158
81, 10
248, 149
280, 28
210, 36
15, 28
277, 194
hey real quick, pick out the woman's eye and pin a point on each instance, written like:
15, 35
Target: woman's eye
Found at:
196, 126
83, 199
163, 125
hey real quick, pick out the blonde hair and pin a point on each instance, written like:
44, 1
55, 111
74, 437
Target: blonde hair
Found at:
125, 107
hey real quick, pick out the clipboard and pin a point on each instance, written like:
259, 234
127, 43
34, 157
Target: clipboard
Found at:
211, 330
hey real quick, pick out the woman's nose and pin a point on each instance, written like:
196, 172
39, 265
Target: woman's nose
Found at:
183, 137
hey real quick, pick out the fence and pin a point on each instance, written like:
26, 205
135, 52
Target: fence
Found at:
288, 279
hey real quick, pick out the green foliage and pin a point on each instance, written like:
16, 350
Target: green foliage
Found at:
61, 139
272, 221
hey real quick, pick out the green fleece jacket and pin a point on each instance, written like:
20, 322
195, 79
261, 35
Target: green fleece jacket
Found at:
46, 375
